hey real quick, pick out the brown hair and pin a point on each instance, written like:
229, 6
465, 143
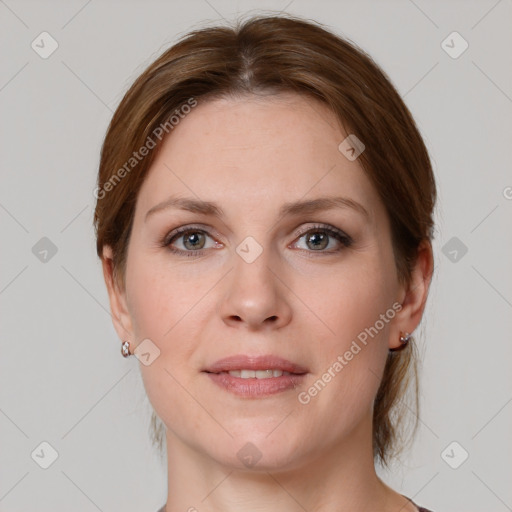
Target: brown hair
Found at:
267, 55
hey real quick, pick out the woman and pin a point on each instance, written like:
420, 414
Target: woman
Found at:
264, 221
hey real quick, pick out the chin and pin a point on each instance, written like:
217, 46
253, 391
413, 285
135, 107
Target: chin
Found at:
256, 451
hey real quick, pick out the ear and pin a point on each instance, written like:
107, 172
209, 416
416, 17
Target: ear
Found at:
117, 297
415, 295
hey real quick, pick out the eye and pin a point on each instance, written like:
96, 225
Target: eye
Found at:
320, 237
191, 241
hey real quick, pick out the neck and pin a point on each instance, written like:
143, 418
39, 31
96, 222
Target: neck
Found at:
339, 478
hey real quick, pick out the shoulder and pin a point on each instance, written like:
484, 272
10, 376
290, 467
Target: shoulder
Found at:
420, 509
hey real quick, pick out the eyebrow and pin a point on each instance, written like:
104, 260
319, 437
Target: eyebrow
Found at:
294, 208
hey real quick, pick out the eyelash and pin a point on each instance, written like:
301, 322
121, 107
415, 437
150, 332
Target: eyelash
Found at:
339, 235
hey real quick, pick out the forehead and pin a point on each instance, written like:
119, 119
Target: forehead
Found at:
254, 151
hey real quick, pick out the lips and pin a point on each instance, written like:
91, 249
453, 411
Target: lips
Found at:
256, 376
255, 363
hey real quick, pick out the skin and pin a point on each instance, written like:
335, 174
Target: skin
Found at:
250, 156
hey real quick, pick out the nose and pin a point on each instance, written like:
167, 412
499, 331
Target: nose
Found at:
255, 295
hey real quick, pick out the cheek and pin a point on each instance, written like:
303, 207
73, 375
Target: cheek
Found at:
353, 313
168, 312
167, 309
159, 299
342, 303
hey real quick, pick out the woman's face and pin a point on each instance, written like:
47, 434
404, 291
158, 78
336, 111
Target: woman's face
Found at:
269, 275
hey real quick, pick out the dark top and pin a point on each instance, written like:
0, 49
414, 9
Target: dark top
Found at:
421, 509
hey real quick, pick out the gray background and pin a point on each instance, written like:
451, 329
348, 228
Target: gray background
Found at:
63, 379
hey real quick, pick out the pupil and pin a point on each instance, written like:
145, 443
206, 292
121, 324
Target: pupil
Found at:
318, 237
193, 240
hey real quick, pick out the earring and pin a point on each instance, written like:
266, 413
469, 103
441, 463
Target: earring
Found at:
125, 349
404, 340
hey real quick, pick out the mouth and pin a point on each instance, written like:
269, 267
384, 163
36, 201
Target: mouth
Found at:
260, 367
256, 376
